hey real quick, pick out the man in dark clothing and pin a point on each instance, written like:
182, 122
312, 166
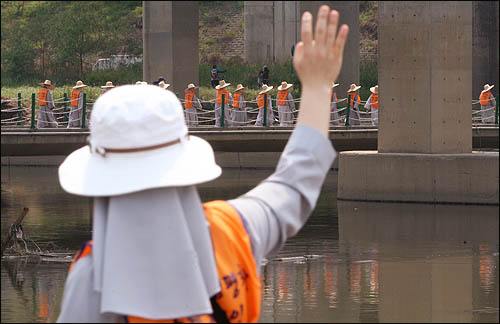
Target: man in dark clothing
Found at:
214, 75
265, 75
159, 80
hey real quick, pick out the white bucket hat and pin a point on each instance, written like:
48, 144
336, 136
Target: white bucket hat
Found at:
47, 84
222, 85
266, 88
191, 86
285, 85
240, 87
109, 84
487, 87
374, 89
353, 87
79, 84
138, 140
163, 85
141, 83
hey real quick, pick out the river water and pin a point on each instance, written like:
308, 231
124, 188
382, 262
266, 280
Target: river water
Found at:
352, 262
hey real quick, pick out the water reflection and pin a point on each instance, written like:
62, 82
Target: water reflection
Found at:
352, 262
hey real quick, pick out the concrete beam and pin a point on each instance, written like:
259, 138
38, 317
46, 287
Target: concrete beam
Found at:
170, 42
259, 26
425, 78
485, 46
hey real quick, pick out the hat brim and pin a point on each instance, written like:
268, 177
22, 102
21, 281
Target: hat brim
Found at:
222, 87
355, 89
286, 88
264, 91
51, 87
372, 90
335, 85
81, 86
490, 87
90, 174
190, 88
105, 87
239, 89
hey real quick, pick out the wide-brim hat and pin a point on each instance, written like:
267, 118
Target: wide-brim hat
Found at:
141, 83
138, 141
222, 84
109, 84
334, 85
266, 88
240, 87
191, 86
374, 89
79, 84
284, 85
487, 87
47, 84
163, 85
353, 87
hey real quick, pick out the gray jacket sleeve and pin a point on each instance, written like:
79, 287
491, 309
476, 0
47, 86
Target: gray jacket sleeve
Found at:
492, 100
368, 104
280, 205
50, 100
80, 100
291, 103
242, 103
196, 102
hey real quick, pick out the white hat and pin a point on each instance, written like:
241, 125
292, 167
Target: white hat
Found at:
141, 83
240, 87
138, 140
335, 84
163, 85
487, 87
48, 84
222, 84
191, 86
374, 89
266, 88
353, 87
79, 84
284, 85
109, 84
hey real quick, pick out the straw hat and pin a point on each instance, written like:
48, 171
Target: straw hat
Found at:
335, 84
487, 87
79, 84
284, 85
138, 141
353, 87
266, 88
163, 85
240, 87
374, 89
222, 85
47, 84
191, 86
109, 84
141, 82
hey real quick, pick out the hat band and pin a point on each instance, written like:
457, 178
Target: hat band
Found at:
102, 150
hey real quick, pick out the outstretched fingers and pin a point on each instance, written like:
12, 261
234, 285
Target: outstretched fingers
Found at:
338, 49
306, 30
321, 25
333, 19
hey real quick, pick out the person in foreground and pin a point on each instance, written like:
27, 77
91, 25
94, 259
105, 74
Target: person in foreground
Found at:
157, 253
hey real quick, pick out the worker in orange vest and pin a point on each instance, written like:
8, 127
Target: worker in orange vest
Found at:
46, 104
372, 105
285, 104
334, 115
239, 111
355, 99
260, 103
158, 254
191, 102
109, 85
228, 101
488, 103
76, 104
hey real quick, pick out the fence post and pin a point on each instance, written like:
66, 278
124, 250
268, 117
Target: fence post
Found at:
19, 114
84, 109
65, 118
496, 111
222, 110
32, 111
348, 110
265, 109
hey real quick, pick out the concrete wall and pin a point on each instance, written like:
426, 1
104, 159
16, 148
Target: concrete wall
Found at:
451, 178
485, 45
170, 42
425, 78
259, 38
286, 28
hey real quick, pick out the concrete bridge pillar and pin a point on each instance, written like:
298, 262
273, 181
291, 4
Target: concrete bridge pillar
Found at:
170, 42
485, 46
424, 135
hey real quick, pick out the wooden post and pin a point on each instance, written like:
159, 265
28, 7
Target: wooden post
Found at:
18, 221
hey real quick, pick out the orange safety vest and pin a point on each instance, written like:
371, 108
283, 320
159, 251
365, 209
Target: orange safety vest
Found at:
282, 96
42, 97
236, 99
374, 100
353, 96
331, 97
240, 295
260, 100
188, 99
484, 98
74, 97
219, 96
